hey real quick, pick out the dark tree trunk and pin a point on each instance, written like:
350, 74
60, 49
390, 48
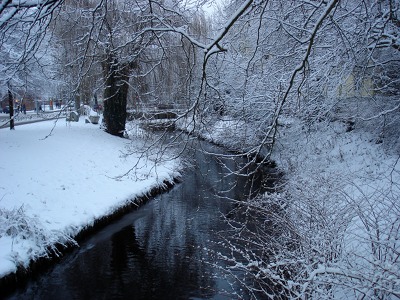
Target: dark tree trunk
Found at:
115, 95
11, 105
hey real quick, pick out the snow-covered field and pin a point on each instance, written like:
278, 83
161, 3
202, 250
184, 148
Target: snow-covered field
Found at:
57, 178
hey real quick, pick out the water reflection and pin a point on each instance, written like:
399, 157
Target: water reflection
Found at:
162, 251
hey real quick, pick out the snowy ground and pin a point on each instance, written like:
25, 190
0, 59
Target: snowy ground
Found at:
58, 178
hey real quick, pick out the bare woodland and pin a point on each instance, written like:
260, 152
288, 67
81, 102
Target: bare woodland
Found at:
261, 63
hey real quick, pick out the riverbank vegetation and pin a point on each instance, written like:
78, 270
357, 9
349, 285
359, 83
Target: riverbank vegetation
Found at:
331, 228
311, 85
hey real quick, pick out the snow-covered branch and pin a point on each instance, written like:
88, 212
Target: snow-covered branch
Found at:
32, 10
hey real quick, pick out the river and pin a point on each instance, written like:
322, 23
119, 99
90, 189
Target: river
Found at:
163, 250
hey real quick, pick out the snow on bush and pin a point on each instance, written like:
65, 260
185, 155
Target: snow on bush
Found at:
31, 235
349, 240
317, 240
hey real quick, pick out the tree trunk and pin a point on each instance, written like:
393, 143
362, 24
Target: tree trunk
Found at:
11, 106
115, 95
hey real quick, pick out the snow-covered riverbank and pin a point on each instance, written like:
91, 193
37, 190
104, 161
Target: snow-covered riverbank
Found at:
340, 198
58, 179
342, 191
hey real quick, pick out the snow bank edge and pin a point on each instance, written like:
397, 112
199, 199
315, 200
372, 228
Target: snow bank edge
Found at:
12, 281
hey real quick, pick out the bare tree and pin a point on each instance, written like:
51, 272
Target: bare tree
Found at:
25, 58
123, 38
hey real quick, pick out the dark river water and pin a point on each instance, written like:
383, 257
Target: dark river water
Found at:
163, 250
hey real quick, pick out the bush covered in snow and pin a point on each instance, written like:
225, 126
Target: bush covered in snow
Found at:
28, 232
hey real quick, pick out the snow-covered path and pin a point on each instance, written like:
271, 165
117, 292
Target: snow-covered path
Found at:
51, 187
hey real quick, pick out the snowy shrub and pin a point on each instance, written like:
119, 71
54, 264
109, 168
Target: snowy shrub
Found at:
319, 240
27, 230
372, 245
133, 131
